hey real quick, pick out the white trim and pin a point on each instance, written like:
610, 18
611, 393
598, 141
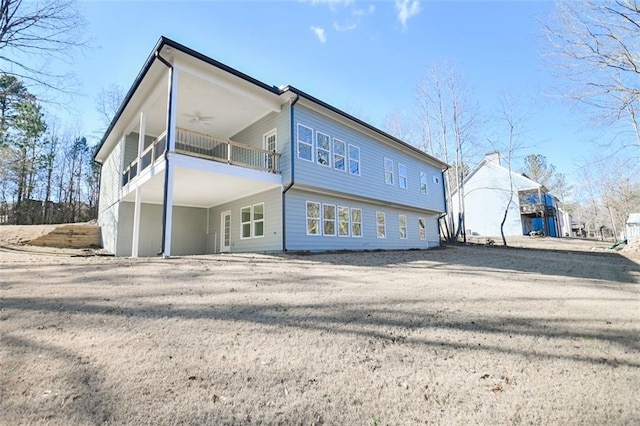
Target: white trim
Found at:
318, 149
243, 222
354, 222
339, 221
355, 148
307, 218
384, 225
223, 247
254, 221
344, 155
265, 143
388, 171
424, 183
402, 177
304, 142
400, 227
334, 220
422, 230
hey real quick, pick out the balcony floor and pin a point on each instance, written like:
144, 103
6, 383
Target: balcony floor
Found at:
201, 183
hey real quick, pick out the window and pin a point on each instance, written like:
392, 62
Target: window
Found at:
436, 180
323, 149
423, 183
343, 221
258, 220
252, 218
328, 219
422, 229
402, 222
354, 160
402, 176
381, 226
388, 171
356, 223
271, 145
305, 143
313, 218
339, 155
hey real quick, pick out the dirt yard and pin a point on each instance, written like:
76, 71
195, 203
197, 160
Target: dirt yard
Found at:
460, 335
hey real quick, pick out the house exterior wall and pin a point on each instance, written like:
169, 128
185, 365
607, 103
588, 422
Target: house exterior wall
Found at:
486, 195
188, 234
298, 240
110, 180
131, 146
272, 239
280, 121
371, 181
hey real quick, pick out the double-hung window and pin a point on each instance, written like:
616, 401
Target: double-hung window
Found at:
305, 143
402, 176
422, 229
339, 155
313, 218
402, 223
381, 225
388, 171
252, 221
328, 219
323, 149
423, 183
343, 221
354, 160
356, 222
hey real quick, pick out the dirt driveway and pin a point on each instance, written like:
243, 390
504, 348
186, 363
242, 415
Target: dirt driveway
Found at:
461, 335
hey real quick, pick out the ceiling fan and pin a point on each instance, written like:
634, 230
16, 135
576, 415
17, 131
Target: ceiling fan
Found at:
202, 120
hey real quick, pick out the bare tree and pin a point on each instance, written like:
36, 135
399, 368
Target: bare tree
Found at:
594, 44
44, 30
108, 102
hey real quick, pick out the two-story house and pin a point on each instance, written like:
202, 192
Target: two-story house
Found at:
202, 158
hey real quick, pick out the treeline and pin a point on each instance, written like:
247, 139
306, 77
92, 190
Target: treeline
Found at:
46, 176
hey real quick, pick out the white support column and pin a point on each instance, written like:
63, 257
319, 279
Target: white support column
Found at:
171, 144
135, 239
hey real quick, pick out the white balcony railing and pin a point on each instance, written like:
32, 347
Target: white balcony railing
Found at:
207, 147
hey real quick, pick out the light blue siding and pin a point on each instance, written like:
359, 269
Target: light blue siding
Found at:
253, 136
371, 182
272, 239
297, 238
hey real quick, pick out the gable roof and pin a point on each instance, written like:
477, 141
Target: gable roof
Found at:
166, 42
633, 218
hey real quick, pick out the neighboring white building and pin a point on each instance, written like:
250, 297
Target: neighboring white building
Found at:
633, 227
486, 194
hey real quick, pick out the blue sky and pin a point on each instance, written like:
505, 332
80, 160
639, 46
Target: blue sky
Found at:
362, 56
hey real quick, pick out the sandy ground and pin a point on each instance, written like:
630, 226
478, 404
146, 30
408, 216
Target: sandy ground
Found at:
460, 335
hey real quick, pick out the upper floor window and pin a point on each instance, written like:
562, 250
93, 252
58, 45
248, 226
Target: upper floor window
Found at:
388, 171
436, 180
305, 143
339, 155
381, 225
328, 219
354, 160
356, 222
402, 176
422, 229
323, 149
402, 223
423, 183
313, 218
343, 221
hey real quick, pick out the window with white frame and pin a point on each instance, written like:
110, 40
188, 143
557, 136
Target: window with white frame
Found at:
252, 221
381, 225
313, 218
356, 222
271, 145
423, 183
343, 221
422, 229
339, 155
402, 176
402, 223
323, 149
388, 171
354, 160
328, 219
305, 142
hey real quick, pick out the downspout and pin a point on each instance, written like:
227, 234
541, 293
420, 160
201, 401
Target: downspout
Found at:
444, 198
284, 217
166, 152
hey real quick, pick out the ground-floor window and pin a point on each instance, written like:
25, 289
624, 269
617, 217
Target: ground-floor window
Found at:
343, 221
328, 219
381, 225
422, 228
356, 222
252, 221
402, 222
313, 218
